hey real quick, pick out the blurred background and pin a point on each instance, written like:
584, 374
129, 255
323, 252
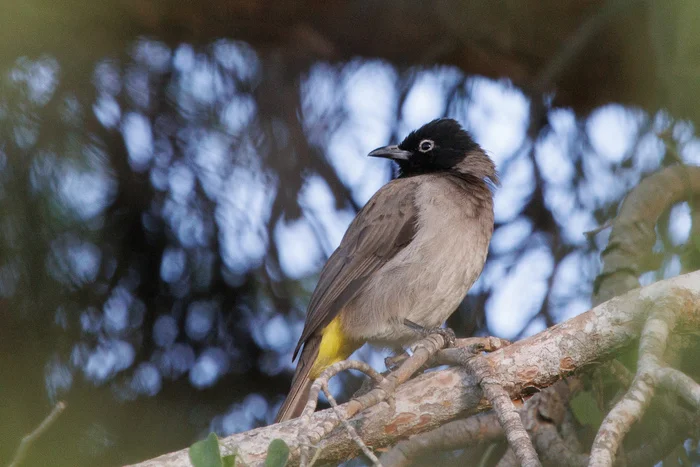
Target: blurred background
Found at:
173, 176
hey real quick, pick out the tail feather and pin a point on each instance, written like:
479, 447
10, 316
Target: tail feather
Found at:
301, 384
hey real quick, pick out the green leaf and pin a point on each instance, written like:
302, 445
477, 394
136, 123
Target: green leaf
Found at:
585, 409
277, 454
205, 453
229, 461
696, 241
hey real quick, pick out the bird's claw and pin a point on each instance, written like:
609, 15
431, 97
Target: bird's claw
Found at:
395, 361
447, 333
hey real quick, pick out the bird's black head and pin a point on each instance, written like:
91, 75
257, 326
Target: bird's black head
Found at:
439, 146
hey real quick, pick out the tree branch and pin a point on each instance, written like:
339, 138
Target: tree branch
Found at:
435, 398
632, 406
28, 440
510, 420
632, 237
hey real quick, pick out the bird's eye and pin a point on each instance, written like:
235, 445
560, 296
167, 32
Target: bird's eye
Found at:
425, 145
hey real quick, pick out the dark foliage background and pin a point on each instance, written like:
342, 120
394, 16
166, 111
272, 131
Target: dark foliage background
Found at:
172, 178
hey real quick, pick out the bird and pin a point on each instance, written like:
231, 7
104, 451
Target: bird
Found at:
409, 256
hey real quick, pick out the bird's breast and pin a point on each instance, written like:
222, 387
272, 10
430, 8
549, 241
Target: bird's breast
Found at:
451, 244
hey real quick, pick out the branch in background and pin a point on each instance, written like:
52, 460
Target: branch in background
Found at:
471, 431
632, 237
631, 408
678, 382
435, 398
625, 258
541, 414
28, 440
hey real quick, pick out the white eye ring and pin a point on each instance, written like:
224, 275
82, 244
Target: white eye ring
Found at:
426, 145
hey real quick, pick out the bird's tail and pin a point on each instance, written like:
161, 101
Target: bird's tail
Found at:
301, 383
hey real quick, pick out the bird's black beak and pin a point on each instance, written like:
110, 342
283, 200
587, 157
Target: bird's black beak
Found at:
391, 152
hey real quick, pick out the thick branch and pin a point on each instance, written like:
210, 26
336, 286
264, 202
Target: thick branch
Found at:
435, 398
510, 420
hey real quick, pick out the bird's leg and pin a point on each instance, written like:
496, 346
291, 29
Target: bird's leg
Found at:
392, 363
447, 333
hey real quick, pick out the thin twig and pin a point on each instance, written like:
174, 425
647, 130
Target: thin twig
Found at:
597, 230
351, 431
423, 351
28, 440
330, 372
310, 438
553, 449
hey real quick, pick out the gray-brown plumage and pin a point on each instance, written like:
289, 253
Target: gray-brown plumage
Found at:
411, 253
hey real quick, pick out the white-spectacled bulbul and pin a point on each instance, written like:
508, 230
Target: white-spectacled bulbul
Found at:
411, 253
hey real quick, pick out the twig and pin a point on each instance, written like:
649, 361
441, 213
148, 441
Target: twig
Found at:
597, 230
28, 440
518, 439
309, 437
473, 345
351, 431
620, 373
423, 351
329, 373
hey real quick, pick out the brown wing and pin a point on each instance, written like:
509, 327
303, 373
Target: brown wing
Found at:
382, 228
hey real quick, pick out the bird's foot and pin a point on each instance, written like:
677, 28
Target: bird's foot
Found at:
482, 344
393, 362
447, 333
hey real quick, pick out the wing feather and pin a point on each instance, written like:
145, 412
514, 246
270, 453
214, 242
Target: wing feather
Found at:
382, 228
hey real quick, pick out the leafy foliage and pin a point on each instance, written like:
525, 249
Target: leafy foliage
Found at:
205, 453
277, 454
